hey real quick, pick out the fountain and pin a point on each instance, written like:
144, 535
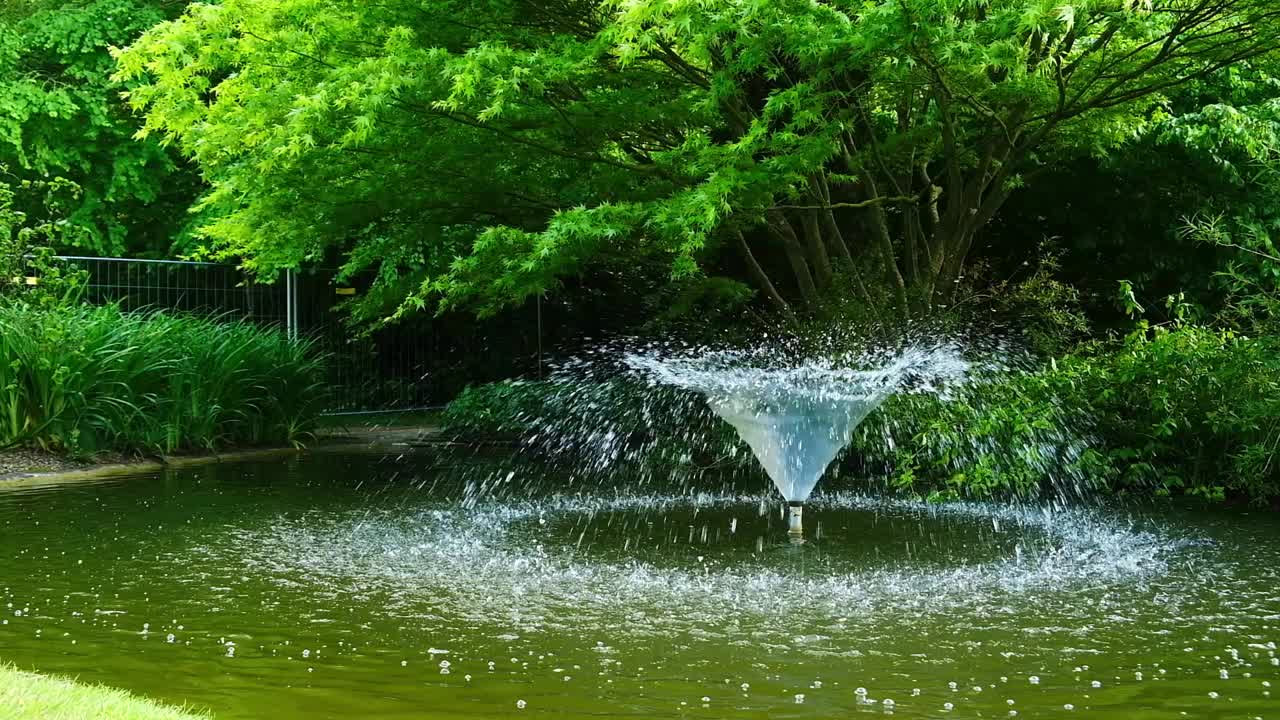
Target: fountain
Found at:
795, 440
797, 419
642, 579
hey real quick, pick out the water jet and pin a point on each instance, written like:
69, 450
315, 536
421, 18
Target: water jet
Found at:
797, 419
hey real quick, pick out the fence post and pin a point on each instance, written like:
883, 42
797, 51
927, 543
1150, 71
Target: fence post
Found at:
291, 303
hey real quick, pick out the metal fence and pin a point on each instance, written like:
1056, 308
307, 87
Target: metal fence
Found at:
390, 370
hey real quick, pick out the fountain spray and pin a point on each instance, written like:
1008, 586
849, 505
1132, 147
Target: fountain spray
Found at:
797, 418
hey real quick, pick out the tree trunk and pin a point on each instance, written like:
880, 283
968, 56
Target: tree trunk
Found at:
782, 230
762, 278
816, 248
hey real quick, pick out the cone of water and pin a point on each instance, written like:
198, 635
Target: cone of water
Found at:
796, 419
795, 439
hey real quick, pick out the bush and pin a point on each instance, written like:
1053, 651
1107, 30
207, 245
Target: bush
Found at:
1187, 410
494, 410
1008, 436
1165, 411
597, 423
86, 379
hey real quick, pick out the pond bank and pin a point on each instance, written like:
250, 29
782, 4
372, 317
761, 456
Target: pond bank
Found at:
27, 696
29, 463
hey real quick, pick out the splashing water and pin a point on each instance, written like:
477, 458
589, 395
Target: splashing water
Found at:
797, 419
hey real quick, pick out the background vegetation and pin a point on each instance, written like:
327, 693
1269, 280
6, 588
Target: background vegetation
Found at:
83, 379
86, 379
1096, 181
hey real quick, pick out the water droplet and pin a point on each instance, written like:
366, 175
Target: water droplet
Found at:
520, 704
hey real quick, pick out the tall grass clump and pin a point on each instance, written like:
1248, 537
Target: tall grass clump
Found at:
85, 379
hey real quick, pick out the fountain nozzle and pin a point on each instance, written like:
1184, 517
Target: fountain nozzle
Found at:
795, 527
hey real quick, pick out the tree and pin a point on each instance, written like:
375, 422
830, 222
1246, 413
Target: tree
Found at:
61, 114
476, 153
29, 272
1190, 208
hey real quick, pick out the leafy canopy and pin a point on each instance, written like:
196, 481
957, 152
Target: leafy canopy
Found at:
475, 154
61, 114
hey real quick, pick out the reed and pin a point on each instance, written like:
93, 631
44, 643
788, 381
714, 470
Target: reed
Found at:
85, 379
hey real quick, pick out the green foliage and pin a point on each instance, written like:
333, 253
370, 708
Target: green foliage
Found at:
501, 409
1188, 410
61, 114
476, 164
1171, 411
595, 422
1033, 304
88, 379
697, 309
29, 273
1184, 209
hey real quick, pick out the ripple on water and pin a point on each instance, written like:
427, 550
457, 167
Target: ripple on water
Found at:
485, 561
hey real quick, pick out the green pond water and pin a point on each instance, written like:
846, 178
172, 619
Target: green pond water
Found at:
363, 586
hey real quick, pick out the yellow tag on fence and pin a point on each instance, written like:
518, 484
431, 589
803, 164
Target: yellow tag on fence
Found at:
33, 280
345, 291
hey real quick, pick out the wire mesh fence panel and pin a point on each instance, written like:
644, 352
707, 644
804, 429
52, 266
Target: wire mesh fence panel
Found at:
202, 288
389, 370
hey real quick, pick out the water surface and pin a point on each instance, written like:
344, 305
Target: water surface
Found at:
338, 586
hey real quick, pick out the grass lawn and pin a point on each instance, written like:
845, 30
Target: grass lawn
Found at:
26, 696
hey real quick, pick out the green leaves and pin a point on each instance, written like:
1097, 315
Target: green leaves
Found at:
60, 113
88, 379
538, 141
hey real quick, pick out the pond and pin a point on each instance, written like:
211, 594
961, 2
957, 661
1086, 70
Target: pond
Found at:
357, 585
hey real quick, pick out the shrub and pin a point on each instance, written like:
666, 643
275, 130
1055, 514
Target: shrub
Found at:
1191, 410
1164, 411
1011, 435
1188, 410
598, 423
500, 409
85, 379
29, 272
